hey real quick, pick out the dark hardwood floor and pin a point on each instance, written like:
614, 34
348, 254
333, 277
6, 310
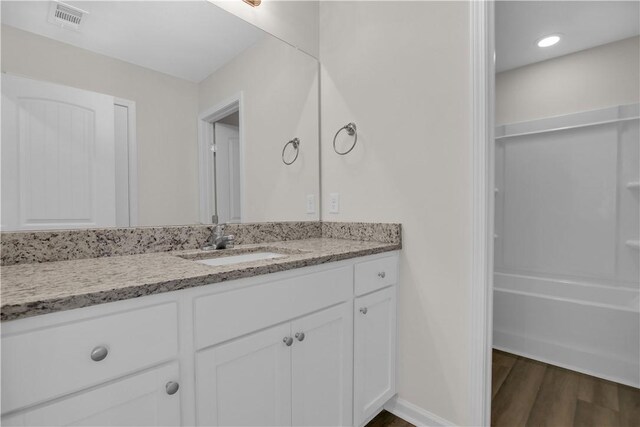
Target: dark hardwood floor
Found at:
528, 393
531, 393
387, 419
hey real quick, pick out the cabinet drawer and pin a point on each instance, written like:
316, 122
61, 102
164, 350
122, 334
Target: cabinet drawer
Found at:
54, 361
376, 274
138, 400
223, 316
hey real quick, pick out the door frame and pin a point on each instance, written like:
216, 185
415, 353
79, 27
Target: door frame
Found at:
206, 119
482, 32
132, 157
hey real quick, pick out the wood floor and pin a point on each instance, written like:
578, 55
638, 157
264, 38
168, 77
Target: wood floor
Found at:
526, 392
387, 419
529, 393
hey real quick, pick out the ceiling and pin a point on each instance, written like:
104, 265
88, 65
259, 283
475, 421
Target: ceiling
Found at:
185, 39
583, 24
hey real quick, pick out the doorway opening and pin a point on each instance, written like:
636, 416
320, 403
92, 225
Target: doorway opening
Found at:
554, 306
221, 162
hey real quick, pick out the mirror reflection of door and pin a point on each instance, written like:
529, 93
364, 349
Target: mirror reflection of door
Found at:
64, 157
227, 170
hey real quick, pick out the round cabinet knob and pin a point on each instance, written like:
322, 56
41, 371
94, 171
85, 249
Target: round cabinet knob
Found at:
300, 336
288, 341
363, 310
382, 275
99, 353
172, 387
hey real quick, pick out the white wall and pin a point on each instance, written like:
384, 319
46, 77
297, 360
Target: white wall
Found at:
280, 98
401, 72
166, 116
595, 78
295, 22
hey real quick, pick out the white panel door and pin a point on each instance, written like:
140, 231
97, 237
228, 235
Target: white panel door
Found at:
227, 139
374, 352
246, 382
140, 400
58, 165
322, 363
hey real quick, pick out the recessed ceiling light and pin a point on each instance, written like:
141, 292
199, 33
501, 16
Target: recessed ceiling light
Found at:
547, 41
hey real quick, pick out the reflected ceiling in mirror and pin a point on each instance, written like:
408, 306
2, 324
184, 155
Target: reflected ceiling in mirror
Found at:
151, 113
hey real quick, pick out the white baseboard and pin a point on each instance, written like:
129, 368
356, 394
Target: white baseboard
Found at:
414, 414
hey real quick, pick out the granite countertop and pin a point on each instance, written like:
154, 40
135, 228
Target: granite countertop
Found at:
39, 288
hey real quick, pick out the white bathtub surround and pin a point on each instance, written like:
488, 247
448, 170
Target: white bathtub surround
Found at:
588, 328
566, 278
563, 206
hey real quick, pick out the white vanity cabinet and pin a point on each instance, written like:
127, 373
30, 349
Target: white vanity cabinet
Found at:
50, 356
288, 348
374, 352
322, 366
298, 373
246, 381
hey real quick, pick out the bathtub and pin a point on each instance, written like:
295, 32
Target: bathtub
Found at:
588, 328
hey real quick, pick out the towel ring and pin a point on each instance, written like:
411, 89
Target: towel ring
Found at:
351, 131
295, 142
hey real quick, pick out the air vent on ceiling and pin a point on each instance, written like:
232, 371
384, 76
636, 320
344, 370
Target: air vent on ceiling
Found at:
66, 16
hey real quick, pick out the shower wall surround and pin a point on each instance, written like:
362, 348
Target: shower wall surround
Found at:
566, 205
567, 270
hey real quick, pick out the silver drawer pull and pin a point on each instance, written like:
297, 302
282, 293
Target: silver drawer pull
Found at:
99, 353
363, 310
300, 336
288, 341
382, 275
172, 387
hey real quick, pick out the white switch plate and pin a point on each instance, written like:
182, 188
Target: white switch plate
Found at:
311, 203
334, 203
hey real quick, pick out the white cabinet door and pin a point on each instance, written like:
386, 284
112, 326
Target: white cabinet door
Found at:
374, 352
58, 164
140, 400
246, 382
322, 362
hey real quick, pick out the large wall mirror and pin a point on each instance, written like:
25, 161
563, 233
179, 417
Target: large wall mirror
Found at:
118, 114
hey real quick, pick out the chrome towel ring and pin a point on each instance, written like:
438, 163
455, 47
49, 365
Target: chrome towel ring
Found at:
295, 142
351, 131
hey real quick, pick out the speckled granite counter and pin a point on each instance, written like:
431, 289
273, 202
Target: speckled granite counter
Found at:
39, 288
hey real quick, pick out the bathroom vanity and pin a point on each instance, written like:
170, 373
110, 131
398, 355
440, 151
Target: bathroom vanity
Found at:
311, 343
113, 147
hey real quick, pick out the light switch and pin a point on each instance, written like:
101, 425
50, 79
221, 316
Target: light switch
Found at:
311, 203
334, 203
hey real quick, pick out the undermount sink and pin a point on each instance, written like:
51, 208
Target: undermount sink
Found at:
237, 259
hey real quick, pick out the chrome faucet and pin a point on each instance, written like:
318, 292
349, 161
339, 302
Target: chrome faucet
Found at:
219, 240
